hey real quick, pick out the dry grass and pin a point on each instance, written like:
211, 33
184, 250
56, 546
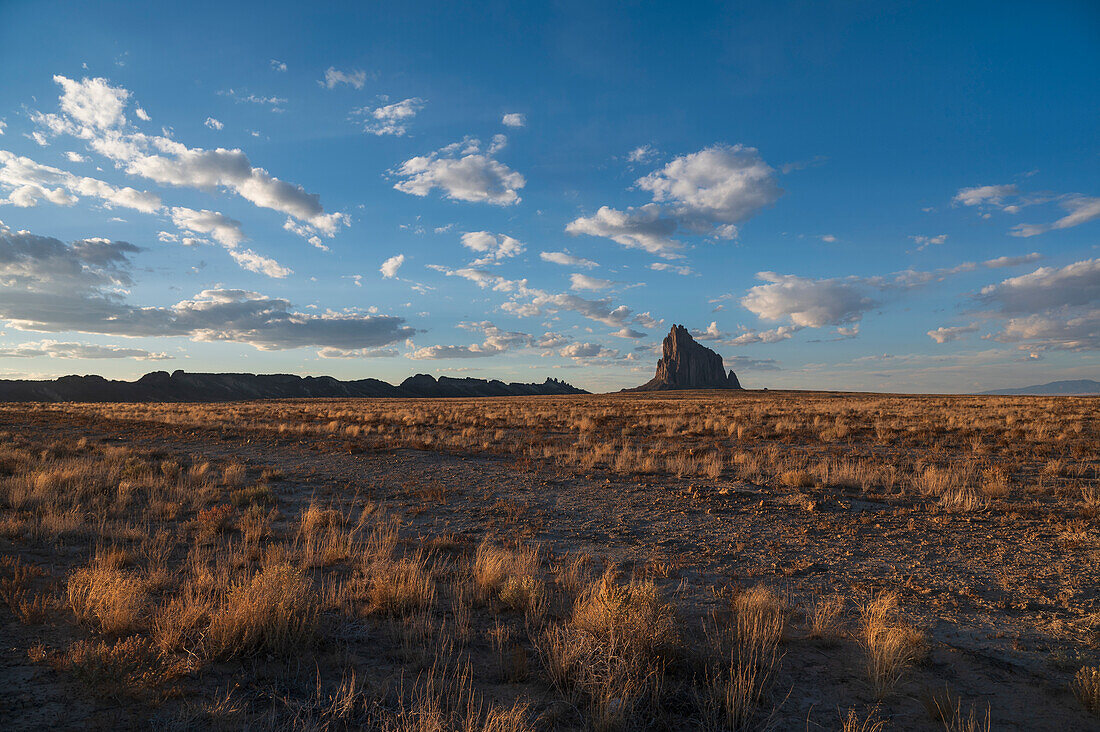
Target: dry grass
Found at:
337, 611
108, 599
275, 611
1086, 687
891, 647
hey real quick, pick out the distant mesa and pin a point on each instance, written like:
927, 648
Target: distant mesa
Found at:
688, 365
1076, 387
180, 386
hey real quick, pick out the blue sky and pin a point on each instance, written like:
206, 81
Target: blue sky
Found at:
882, 196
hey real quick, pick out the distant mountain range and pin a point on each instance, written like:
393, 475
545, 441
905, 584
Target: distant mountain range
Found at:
1077, 387
179, 386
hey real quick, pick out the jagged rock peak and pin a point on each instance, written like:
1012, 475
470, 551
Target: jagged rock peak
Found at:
685, 364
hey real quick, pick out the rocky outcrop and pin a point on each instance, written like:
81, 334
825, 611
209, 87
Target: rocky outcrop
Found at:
686, 364
179, 386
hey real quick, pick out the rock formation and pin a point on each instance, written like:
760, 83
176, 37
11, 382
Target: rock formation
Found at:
179, 386
688, 365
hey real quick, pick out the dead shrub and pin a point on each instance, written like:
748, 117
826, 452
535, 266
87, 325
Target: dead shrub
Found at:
109, 599
274, 611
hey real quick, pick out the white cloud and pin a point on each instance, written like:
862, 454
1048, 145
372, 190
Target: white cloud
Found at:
3, 126
391, 119
226, 231
75, 157
493, 248
626, 332
582, 351
712, 333
463, 173
666, 267
828, 238
93, 111
93, 103
645, 228
358, 353
1047, 288
648, 321
982, 195
944, 334
50, 286
775, 335
277, 65
721, 184
514, 119
807, 302
30, 182
142, 114
567, 259
334, 77
642, 154
584, 282
56, 349
213, 124
496, 341
926, 241
390, 266
275, 103
1082, 209
707, 192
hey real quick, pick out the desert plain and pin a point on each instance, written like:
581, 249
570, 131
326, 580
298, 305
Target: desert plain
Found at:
715, 560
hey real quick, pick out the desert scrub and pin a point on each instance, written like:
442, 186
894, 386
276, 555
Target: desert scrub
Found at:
1086, 687
273, 611
891, 647
741, 658
107, 598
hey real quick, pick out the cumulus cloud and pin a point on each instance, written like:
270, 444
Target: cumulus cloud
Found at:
585, 351
647, 228
390, 119
708, 192
334, 77
29, 182
93, 103
514, 119
213, 124
712, 333
567, 259
57, 349
924, 242
1047, 288
648, 321
815, 303
358, 353
946, 334
642, 154
579, 281
807, 302
1082, 209
496, 341
51, 286
493, 248
93, 110
982, 195
721, 184
277, 65
775, 335
390, 266
627, 332
666, 267
463, 173
75, 157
